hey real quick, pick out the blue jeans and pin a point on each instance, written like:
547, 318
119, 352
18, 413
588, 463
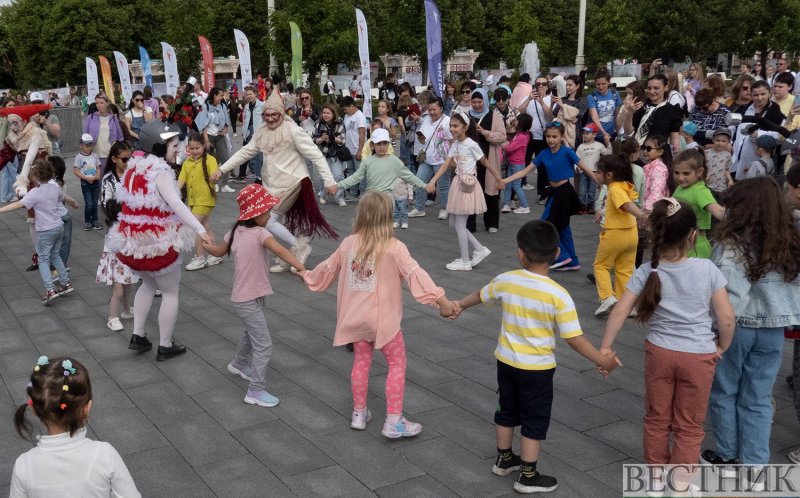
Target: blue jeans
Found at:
7, 178
400, 213
515, 186
352, 167
337, 170
425, 172
49, 244
66, 242
254, 164
91, 196
740, 406
587, 188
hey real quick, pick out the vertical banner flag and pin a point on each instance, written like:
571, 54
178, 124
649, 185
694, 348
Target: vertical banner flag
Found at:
363, 56
148, 71
170, 68
92, 83
243, 46
124, 77
108, 82
433, 35
208, 63
297, 55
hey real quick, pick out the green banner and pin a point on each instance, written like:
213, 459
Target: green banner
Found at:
297, 55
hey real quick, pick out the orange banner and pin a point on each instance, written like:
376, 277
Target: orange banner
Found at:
108, 83
208, 63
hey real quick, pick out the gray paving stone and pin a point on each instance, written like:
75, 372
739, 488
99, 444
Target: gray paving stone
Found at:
481, 369
136, 370
242, 477
421, 487
201, 440
324, 383
308, 415
572, 482
13, 446
14, 340
469, 395
127, 429
619, 435
192, 374
331, 481
18, 363
281, 449
90, 327
611, 474
426, 373
470, 432
372, 462
226, 404
578, 414
162, 472
621, 403
579, 384
77, 307
151, 400
107, 395
580, 450
417, 399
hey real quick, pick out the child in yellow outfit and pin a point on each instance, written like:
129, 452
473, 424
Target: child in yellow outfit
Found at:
201, 196
619, 238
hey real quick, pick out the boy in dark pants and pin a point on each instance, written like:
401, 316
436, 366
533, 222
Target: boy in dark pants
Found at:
534, 309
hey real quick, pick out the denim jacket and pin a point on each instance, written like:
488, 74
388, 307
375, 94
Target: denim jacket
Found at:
769, 302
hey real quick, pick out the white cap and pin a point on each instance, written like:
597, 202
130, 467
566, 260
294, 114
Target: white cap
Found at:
36, 96
380, 135
87, 139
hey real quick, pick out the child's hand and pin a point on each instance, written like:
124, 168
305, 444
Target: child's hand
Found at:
430, 188
446, 308
501, 184
207, 238
73, 204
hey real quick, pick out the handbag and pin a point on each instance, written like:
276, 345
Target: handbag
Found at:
422, 154
343, 153
467, 182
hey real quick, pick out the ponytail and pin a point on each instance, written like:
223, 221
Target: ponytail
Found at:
251, 223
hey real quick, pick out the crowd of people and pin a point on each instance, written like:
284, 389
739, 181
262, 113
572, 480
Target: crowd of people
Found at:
665, 170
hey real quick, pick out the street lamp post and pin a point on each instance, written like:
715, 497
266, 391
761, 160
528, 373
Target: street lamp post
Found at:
580, 60
273, 63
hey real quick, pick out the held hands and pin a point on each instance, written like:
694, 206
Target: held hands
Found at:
215, 176
450, 309
430, 188
73, 204
207, 238
332, 189
611, 361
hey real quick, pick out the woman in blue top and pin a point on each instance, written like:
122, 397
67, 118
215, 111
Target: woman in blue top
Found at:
559, 161
213, 122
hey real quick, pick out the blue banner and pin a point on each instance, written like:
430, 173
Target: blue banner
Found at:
433, 35
148, 73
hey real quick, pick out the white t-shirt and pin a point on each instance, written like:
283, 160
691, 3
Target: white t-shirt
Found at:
102, 146
536, 111
351, 125
465, 154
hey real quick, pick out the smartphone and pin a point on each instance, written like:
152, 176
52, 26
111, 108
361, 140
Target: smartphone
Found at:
421, 135
414, 109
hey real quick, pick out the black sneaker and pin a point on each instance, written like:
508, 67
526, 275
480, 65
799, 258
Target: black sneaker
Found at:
590, 277
87, 227
165, 353
532, 481
32, 267
140, 343
710, 457
504, 466
96, 226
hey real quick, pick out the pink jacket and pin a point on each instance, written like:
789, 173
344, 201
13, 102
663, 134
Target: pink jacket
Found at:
369, 300
656, 176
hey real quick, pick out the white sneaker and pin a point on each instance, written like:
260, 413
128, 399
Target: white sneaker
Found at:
492, 230
127, 315
114, 324
459, 265
322, 200
528, 186
605, 306
196, 263
479, 255
442, 214
227, 189
416, 214
302, 249
359, 419
404, 226
342, 203
213, 260
279, 266
522, 210
505, 209
430, 202
513, 205
395, 225
216, 188
403, 428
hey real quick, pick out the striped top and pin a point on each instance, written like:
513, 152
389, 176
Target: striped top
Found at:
534, 308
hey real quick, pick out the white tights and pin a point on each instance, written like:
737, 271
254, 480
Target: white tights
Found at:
459, 223
169, 284
279, 231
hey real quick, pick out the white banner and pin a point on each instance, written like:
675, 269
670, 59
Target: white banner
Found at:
124, 77
243, 46
363, 56
170, 68
92, 83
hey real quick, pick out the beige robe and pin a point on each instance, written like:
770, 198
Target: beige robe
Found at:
497, 139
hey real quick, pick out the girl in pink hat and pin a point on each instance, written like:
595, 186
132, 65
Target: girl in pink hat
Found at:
248, 242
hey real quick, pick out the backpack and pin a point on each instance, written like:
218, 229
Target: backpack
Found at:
325, 89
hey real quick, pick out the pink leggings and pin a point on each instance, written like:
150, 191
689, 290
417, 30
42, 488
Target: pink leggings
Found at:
395, 353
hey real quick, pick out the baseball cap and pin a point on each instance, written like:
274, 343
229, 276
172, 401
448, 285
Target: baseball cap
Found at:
689, 128
766, 142
591, 128
87, 139
380, 135
722, 131
36, 96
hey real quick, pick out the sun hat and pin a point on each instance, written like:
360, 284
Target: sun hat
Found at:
254, 200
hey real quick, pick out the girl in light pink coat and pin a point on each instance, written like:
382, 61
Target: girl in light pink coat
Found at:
371, 266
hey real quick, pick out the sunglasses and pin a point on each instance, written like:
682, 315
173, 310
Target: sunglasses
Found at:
466, 91
552, 124
138, 100
271, 116
542, 84
501, 99
124, 159
305, 98
648, 148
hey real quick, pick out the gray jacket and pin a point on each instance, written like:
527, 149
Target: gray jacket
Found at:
256, 113
769, 302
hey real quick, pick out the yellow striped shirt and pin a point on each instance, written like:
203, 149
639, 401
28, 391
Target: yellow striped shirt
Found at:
534, 308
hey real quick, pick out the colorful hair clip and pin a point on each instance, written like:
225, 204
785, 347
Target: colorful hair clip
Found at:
67, 364
42, 361
63, 406
30, 402
30, 384
65, 388
674, 206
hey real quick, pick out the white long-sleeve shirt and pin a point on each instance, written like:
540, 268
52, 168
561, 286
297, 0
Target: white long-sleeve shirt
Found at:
61, 465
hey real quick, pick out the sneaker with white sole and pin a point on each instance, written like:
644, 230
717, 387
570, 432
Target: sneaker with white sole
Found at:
533, 481
322, 200
492, 230
505, 209
243, 372
414, 213
725, 468
196, 263
794, 456
528, 186
403, 226
479, 255
403, 428
342, 203
522, 210
429, 202
280, 266
51, 294
127, 315
114, 324
213, 260
507, 463
395, 225
261, 398
459, 265
561, 263
606, 306
227, 189
442, 214
359, 419
301, 250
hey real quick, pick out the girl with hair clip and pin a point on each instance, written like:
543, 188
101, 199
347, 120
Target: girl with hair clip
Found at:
111, 271
201, 197
758, 252
65, 462
689, 171
658, 180
371, 266
674, 294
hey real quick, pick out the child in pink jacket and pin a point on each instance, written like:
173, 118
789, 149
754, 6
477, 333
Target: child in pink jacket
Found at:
371, 266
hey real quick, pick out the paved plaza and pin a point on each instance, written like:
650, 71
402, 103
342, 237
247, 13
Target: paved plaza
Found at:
184, 431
